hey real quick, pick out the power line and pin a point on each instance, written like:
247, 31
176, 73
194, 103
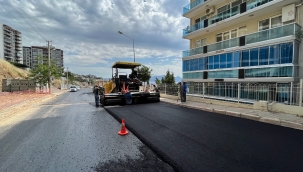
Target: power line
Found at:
26, 14
21, 17
15, 18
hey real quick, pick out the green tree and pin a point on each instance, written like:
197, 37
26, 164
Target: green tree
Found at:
71, 77
145, 73
157, 81
42, 71
169, 78
299, 33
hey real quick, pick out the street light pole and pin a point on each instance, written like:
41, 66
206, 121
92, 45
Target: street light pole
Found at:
133, 43
49, 72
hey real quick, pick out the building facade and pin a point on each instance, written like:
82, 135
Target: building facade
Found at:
10, 44
31, 55
244, 49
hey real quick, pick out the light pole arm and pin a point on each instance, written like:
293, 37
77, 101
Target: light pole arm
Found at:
133, 43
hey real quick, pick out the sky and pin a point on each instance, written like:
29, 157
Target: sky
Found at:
87, 31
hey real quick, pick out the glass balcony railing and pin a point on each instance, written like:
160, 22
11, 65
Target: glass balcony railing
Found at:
278, 32
223, 44
192, 5
224, 15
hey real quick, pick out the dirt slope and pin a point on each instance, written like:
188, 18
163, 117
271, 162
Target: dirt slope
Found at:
8, 70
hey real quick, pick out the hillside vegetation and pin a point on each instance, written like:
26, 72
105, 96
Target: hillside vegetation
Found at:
8, 70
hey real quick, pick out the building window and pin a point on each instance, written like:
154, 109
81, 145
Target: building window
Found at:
222, 61
286, 53
274, 57
219, 37
211, 62
203, 63
198, 43
216, 62
237, 59
254, 57
263, 56
233, 33
226, 36
242, 31
245, 58
203, 42
276, 21
229, 60
223, 8
270, 23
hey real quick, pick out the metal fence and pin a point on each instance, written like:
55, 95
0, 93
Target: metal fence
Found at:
169, 89
287, 93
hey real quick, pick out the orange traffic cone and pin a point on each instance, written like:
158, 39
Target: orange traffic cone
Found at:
123, 130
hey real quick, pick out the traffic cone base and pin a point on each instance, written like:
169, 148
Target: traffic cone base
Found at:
122, 134
123, 130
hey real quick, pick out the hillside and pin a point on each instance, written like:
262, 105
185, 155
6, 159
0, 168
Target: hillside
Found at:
8, 70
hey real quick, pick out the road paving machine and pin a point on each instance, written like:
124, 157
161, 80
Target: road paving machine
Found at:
127, 88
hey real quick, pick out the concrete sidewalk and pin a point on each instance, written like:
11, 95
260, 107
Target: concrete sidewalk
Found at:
282, 119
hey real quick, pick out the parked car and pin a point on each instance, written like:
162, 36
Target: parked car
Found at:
78, 87
73, 89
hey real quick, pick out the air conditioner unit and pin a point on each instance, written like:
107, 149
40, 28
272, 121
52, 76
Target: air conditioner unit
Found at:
210, 10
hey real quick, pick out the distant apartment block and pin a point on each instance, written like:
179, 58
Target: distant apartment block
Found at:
31, 55
10, 44
243, 46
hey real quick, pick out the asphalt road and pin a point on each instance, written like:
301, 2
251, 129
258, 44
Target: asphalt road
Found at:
194, 140
70, 134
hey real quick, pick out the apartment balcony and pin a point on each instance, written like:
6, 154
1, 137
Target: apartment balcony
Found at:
18, 35
265, 35
9, 49
241, 13
18, 46
7, 41
18, 38
193, 5
7, 34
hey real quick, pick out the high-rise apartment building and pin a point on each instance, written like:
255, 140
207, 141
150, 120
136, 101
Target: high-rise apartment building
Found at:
31, 55
246, 47
10, 44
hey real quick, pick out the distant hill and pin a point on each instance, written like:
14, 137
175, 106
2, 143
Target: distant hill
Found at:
153, 78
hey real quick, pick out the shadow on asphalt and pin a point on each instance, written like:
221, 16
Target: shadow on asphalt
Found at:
148, 162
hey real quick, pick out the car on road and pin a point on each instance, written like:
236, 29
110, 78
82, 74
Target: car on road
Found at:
73, 89
78, 87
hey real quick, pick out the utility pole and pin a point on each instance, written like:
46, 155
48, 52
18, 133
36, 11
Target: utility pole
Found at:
49, 66
67, 77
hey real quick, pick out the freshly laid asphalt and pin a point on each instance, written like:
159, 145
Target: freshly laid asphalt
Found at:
194, 140
69, 133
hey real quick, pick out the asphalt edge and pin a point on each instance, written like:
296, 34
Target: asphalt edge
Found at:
273, 121
158, 152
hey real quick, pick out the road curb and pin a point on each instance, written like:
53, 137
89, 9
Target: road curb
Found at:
292, 124
274, 121
231, 113
208, 109
249, 116
223, 112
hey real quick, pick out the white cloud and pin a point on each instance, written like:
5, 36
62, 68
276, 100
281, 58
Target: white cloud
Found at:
87, 31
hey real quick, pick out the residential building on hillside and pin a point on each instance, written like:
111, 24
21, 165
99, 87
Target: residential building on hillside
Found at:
31, 54
10, 44
244, 50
